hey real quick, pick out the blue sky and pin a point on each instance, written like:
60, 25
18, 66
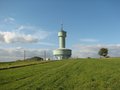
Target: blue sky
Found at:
33, 24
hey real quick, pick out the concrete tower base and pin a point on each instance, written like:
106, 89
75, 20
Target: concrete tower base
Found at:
62, 53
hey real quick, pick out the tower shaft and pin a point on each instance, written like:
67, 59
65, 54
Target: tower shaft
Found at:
61, 42
62, 36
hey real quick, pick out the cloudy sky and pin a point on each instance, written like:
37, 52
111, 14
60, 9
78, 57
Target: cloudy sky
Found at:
32, 25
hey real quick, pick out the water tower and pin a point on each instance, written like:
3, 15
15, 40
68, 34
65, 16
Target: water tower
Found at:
62, 52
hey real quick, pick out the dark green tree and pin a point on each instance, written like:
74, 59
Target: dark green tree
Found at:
103, 52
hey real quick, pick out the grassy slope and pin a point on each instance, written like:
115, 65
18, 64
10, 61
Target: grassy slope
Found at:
64, 75
7, 65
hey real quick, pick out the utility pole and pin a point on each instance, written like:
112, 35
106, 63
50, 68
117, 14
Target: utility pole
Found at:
24, 54
45, 54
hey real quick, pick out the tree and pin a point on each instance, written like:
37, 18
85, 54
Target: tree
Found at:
103, 52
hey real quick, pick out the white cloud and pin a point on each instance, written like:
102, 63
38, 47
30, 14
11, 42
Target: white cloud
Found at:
35, 31
16, 33
26, 28
88, 40
20, 28
9, 20
13, 37
84, 51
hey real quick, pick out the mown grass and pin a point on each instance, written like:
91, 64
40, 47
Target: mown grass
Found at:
79, 74
19, 63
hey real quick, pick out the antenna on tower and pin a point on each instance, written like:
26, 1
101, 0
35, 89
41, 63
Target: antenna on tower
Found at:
61, 24
61, 27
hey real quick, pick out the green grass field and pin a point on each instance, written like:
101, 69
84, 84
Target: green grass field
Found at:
79, 74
